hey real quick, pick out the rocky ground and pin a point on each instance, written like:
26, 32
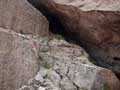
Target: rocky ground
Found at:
31, 58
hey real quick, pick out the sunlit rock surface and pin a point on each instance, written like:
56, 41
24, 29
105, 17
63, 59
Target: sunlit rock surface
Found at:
106, 5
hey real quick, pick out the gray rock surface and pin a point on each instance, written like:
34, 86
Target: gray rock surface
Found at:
107, 5
20, 16
65, 66
18, 60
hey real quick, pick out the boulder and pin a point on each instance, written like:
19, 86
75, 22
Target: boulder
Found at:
22, 17
19, 60
65, 66
86, 5
97, 31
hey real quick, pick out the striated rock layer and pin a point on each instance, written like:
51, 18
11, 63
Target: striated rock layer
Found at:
97, 31
19, 60
20, 16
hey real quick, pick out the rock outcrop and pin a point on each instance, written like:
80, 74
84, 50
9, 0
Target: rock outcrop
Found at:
19, 60
29, 61
97, 31
22, 17
65, 66
106, 5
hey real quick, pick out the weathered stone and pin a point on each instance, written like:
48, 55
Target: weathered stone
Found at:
18, 60
109, 5
20, 16
97, 31
66, 66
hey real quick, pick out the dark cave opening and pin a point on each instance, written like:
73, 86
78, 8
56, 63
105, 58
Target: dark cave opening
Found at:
117, 58
55, 26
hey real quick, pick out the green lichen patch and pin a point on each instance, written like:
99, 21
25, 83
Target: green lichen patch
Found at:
105, 86
59, 37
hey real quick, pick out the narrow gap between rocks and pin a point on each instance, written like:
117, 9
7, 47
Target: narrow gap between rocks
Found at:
55, 26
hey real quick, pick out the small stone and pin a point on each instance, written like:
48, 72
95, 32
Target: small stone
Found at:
41, 88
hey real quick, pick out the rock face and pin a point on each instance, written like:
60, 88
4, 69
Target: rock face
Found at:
109, 5
20, 16
65, 66
97, 31
18, 60
31, 62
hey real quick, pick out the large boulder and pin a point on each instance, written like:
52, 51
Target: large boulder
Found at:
97, 31
20, 16
18, 60
106, 5
65, 66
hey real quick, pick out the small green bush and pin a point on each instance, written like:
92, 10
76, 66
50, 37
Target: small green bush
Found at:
59, 37
105, 87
